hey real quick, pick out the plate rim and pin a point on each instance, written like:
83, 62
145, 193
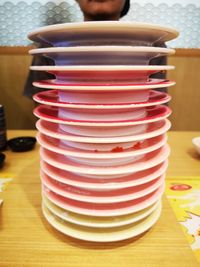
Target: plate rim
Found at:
36, 35
57, 103
70, 137
103, 200
47, 84
166, 112
97, 225
103, 48
155, 196
160, 170
149, 223
70, 151
161, 155
103, 68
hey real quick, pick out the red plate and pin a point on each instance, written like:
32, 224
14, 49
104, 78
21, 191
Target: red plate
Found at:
50, 114
51, 98
103, 86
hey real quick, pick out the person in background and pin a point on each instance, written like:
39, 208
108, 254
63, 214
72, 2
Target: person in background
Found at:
93, 10
98, 10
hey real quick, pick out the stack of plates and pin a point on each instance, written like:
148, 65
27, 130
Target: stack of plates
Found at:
102, 130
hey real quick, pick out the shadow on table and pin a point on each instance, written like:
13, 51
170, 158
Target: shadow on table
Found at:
193, 153
87, 244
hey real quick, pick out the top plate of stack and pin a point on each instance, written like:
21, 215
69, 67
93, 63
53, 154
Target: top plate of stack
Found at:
103, 33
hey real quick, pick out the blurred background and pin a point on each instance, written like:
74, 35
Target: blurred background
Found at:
17, 18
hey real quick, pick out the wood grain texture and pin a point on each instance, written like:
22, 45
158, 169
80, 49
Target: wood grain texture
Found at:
184, 161
27, 240
15, 50
187, 52
185, 103
18, 108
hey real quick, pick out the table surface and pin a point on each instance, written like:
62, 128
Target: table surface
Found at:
26, 239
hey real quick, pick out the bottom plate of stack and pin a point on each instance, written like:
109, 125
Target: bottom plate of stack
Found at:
113, 230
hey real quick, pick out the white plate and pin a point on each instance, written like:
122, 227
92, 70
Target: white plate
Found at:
105, 196
104, 235
103, 73
104, 209
50, 114
99, 115
57, 146
51, 97
103, 86
103, 33
153, 129
103, 132
110, 183
102, 55
104, 68
98, 222
62, 162
99, 97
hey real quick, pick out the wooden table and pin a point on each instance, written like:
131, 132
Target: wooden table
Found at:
26, 239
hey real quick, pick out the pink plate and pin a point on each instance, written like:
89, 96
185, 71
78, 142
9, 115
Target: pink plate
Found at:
106, 183
104, 209
103, 196
51, 98
103, 86
49, 113
103, 73
153, 129
62, 162
57, 146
